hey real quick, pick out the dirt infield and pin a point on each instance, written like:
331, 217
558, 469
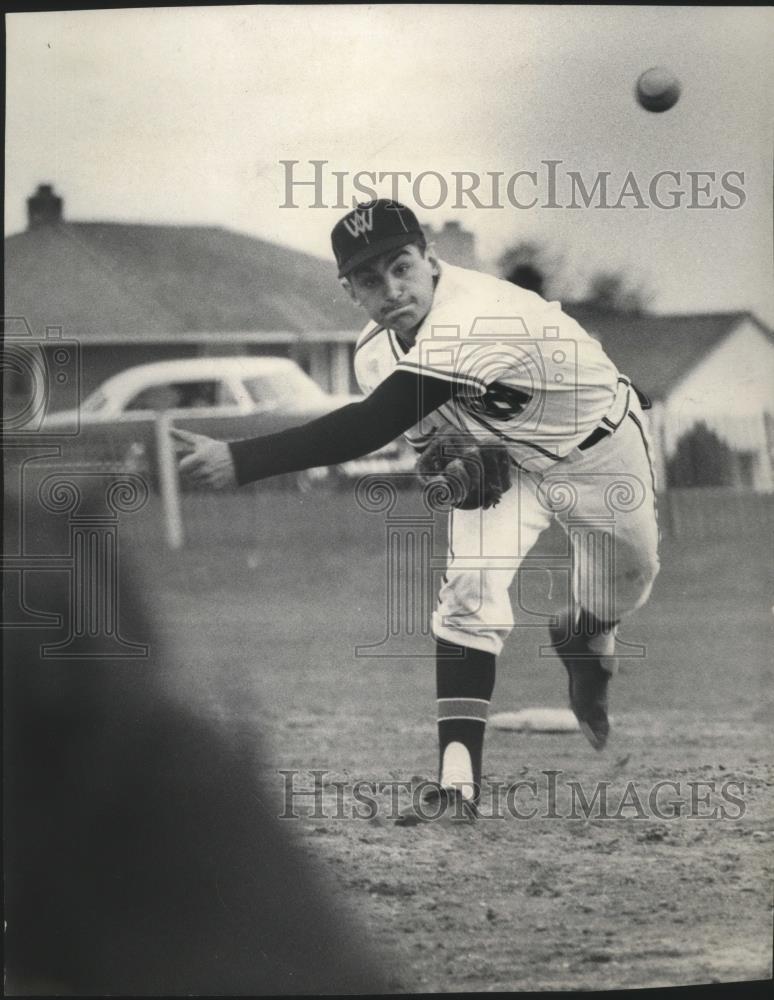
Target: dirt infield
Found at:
266, 608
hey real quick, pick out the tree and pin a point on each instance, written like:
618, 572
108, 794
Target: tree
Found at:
530, 265
610, 291
701, 459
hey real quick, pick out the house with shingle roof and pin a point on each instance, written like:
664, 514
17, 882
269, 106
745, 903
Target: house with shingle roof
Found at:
131, 293
710, 368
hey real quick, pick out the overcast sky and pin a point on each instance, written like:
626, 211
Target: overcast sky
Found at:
182, 115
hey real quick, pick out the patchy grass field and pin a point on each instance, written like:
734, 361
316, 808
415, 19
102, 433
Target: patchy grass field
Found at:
266, 606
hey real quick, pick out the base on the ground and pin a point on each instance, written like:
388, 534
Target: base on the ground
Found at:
536, 720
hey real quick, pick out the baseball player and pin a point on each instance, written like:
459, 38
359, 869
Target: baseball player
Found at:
520, 414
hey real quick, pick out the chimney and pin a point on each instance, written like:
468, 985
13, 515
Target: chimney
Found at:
454, 243
44, 208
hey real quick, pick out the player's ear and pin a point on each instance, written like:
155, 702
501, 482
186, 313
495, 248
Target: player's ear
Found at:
432, 256
346, 285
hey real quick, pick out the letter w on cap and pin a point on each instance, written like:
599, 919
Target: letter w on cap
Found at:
360, 222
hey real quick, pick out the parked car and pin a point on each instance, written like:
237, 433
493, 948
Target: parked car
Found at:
229, 397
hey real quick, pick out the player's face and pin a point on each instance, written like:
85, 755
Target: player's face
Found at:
397, 288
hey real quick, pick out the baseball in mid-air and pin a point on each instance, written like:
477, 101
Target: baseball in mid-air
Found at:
657, 89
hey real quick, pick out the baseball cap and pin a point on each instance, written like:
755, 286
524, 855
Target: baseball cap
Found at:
370, 229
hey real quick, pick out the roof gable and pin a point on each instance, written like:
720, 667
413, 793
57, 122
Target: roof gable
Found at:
101, 277
657, 351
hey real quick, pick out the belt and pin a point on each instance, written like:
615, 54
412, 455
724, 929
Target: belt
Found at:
616, 415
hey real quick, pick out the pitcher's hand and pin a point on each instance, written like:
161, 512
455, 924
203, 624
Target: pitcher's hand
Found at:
207, 461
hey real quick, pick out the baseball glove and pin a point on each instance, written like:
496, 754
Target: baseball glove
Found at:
467, 473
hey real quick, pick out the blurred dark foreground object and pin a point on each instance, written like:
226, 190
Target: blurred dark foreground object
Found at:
142, 855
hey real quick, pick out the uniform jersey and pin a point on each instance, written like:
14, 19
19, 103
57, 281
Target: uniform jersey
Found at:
523, 371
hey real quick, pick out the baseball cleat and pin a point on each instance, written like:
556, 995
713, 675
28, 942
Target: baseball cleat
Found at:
437, 803
580, 651
588, 699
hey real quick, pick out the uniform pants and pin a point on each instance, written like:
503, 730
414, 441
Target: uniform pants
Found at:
604, 498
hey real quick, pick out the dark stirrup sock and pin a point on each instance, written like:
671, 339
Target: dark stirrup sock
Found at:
465, 680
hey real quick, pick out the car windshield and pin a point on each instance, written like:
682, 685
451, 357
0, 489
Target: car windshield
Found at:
96, 401
286, 385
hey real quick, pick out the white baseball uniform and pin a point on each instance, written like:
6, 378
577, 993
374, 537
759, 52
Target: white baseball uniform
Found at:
527, 374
